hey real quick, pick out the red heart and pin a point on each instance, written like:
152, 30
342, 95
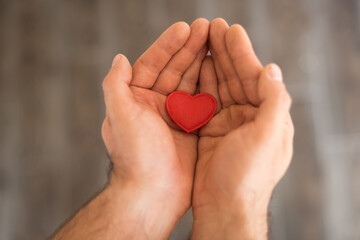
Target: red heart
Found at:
190, 112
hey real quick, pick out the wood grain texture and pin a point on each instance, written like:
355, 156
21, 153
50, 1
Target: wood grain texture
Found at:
54, 55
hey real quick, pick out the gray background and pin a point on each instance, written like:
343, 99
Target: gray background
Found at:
54, 54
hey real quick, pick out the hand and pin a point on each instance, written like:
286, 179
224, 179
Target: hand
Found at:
246, 148
152, 158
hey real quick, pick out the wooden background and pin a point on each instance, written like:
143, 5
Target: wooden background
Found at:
54, 54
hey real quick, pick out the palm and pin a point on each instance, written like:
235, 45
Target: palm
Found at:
216, 146
219, 128
179, 150
165, 156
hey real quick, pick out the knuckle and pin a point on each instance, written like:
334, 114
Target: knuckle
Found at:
104, 131
286, 98
283, 98
289, 126
103, 128
106, 83
105, 125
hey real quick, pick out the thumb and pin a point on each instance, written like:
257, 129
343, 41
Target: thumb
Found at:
275, 100
122, 68
116, 89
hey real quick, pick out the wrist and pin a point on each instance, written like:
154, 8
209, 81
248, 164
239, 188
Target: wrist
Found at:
237, 220
141, 213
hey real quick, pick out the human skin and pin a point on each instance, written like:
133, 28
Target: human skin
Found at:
246, 148
153, 159
241, 153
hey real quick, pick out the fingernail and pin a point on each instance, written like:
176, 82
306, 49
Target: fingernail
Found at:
116, 60
275, 72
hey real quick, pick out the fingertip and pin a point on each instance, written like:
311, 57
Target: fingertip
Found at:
218, 28
218, 23
120, 59
199, 32
271, 83
237, 27
202, 21
116, 60
273, 72
271, 87
181, 24
201, 25
115, 84
234, 34
120, 69
219, 20
174, 37
181, 28
271, 80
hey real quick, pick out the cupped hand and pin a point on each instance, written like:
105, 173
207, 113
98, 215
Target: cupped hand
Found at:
150, 154
246, 148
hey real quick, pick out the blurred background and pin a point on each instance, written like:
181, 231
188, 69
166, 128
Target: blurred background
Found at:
54, 55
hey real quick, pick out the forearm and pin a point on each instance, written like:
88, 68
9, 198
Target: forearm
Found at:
93, 221
119, 214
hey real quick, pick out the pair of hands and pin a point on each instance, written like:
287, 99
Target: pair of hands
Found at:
228, 169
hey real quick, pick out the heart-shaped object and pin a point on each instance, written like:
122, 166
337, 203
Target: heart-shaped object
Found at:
190, 112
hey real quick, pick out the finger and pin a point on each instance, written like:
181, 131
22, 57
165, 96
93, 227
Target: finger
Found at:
149, 65
274, 100
247, 65
117, 94
190, 78
170, 76
208, 81
218, 30
224, 93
